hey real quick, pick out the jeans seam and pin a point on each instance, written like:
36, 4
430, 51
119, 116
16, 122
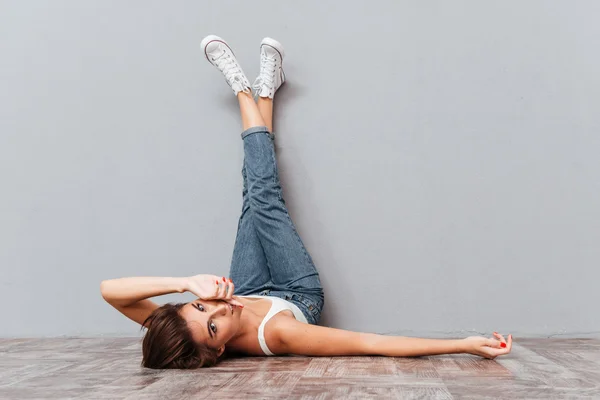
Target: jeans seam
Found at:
289, 218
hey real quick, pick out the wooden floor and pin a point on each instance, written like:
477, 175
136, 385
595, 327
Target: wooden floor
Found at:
108, 368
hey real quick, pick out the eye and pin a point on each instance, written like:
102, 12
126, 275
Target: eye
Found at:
213, 327
200, 307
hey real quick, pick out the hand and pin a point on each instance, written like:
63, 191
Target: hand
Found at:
212, 287
488, 348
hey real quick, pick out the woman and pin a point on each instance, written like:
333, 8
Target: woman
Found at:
279, 297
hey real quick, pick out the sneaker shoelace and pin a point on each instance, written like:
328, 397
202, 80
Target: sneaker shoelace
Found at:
230, 68
267, 73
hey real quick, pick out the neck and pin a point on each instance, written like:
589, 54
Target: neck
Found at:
245, 324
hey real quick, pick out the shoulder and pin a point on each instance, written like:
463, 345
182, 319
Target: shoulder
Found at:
249, 343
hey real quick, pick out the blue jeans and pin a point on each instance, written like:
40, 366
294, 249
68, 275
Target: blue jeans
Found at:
269, 258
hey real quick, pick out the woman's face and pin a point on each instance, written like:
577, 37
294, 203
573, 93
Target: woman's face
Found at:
212, 322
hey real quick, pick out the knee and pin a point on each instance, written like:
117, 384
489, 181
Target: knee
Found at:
263, 192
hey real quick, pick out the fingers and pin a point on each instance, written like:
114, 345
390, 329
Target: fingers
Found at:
222, 285
228, 296
501, 339
235, 303
231, 298
230, 289
505, 347
225, 289
493, 343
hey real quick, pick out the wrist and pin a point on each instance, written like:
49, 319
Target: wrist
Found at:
462, 346
182, 284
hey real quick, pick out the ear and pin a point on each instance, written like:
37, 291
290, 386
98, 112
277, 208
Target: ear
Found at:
221, 350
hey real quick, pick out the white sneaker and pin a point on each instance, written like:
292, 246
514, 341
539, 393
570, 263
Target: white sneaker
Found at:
219, 54
271, 75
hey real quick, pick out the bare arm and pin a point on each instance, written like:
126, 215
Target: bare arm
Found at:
400, 346
294, 337
130, 295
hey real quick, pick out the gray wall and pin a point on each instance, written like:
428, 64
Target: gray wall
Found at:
440, 159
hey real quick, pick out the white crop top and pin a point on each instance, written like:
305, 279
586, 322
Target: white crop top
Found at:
277, 306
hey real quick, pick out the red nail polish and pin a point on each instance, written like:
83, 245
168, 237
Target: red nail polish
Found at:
224, 280
496, 333
503, 345
217, 282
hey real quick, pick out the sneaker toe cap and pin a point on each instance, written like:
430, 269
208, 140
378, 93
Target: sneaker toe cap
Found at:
271, 51
213, 46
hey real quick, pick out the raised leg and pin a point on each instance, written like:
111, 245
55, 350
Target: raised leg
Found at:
251, 116
265, 107
266, 233
249, 270
291, 267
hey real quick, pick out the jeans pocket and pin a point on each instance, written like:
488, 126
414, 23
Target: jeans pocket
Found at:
312, 307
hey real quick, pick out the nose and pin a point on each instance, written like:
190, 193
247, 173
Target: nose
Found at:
222, 308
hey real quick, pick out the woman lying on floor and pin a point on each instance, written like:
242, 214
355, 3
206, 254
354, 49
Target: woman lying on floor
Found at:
278, 295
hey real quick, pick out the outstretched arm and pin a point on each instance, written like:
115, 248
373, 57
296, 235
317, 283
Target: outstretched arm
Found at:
294, 337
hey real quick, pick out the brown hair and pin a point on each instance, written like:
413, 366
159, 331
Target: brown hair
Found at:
169, 344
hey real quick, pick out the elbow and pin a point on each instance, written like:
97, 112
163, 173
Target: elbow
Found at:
105, 290
371, 345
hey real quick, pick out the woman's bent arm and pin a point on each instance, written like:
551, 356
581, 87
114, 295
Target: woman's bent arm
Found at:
130, 295
126, 291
